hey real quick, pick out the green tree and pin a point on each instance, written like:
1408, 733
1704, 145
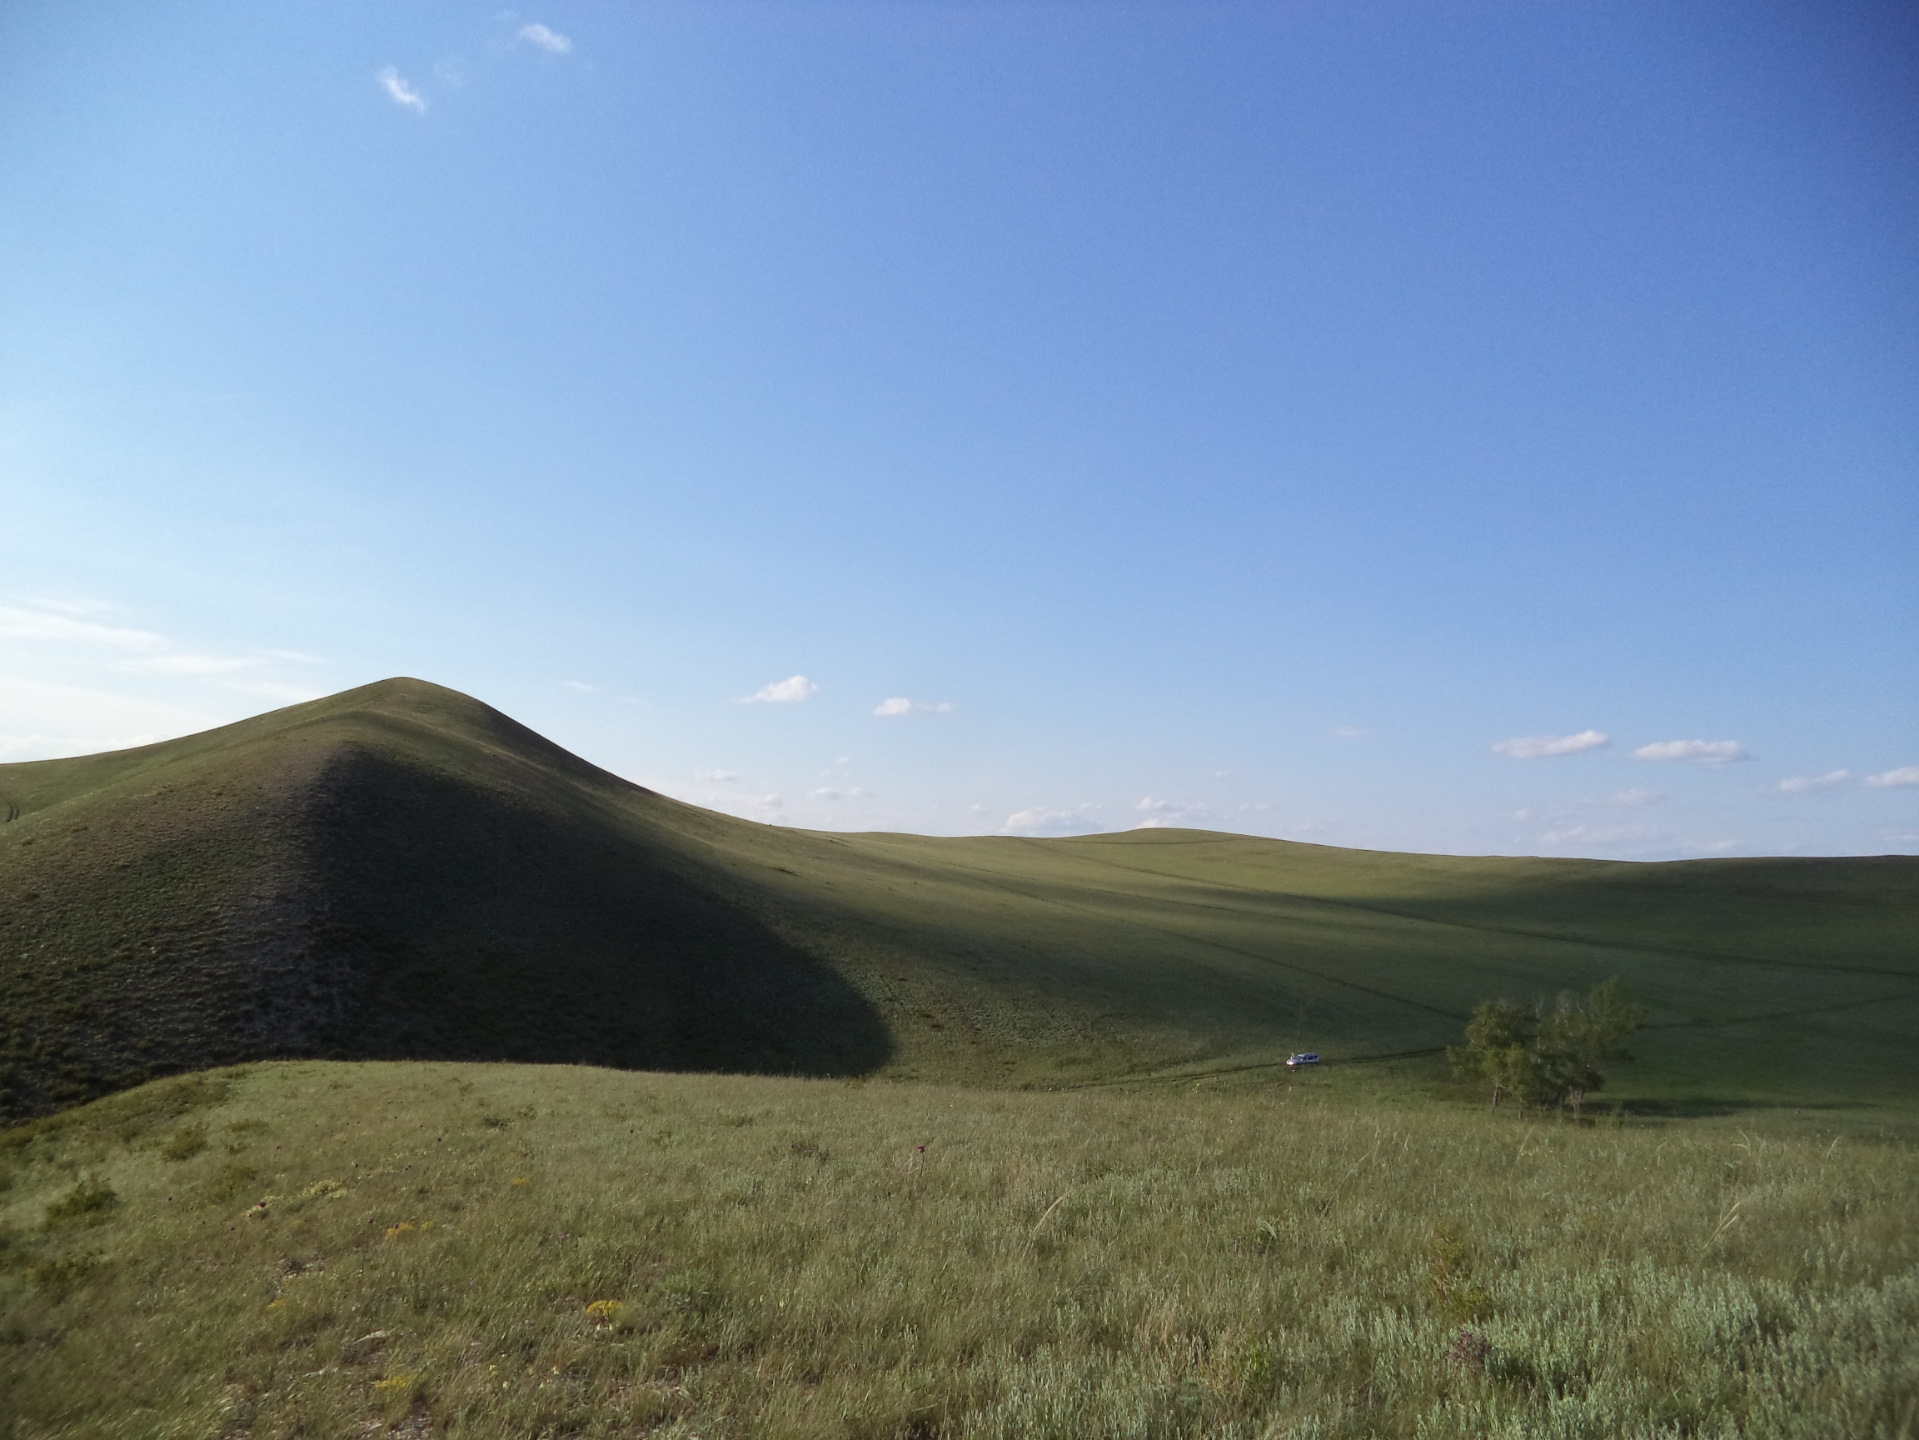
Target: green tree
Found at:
1548, 1057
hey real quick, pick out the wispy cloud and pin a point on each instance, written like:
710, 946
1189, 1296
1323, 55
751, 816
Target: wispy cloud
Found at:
39, 719
189, 664
548, 40
581, 686
50, 624
1806, 784
1039, 821
1541, 747
1599, 835
1634, 799
716, 777
1894, 779
794, 690
64, 636
276, 690
1700, 752
1168, 812
401, 93
899, 707
1347, 732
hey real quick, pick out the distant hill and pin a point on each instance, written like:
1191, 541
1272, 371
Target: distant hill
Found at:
402, 871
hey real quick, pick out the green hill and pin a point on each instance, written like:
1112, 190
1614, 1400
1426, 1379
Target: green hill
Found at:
402, 872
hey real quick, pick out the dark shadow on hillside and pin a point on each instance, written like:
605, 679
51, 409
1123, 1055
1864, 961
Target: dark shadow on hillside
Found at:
465, 923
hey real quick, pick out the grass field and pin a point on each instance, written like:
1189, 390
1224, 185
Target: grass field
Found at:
319, 1249
1005, 1149
402, 872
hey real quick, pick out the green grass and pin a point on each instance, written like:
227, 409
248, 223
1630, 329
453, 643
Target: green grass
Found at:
1102, 1210
470, 1250
401, 872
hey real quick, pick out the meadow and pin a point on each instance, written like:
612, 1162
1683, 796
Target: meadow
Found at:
327, 1249
401, 872
377, 1067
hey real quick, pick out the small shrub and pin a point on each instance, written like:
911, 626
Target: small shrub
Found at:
687, 1292
397, 1394
187, 1141
21, 1136
87, 1203
66, 1273
1470, 1350
229, 1182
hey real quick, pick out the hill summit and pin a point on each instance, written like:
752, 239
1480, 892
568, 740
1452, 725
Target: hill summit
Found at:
395, 871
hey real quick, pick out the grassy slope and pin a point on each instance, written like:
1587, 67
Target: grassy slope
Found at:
401, 871
506, 1251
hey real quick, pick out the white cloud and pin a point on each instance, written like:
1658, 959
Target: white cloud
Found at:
793, 690
1539, 747
1041, 821
1348, 732
41, 720
189, 664
1602, 836
39, 624
401, 93
1634, 799
824, 793
71, 607
716, 777
899, 706
1894, 779
547, 40
1703, 752
1806, 784
1168, 812
1154, 806
581, 686
273, 690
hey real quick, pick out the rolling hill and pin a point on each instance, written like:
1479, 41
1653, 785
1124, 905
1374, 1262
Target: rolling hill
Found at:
400, 871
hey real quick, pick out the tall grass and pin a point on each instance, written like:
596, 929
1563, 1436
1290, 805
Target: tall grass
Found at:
513, 1251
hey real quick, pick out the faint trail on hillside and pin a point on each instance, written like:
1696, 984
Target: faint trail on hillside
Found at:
1181, 935
1558, 939
1170, 1077
1780, 1014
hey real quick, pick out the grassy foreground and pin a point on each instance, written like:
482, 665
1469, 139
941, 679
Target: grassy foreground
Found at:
325, 1249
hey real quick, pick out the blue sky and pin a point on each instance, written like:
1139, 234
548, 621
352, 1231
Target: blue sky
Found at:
1457, 427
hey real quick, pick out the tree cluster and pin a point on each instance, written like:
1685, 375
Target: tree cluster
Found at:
1542, 1056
